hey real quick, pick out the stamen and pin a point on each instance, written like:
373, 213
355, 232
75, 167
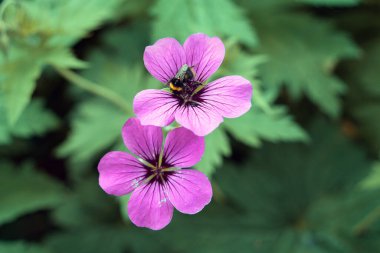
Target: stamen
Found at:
198, 89
170, 169
150, 178
146, 163
160, 158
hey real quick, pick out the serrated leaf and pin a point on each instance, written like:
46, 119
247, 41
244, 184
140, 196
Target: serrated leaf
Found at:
302, 52
263, 121
44, 18
217, 147
85, 206
27, 125
20, 70
255, 126
110, 69
319, 171
287, 190
35, 120
64, 58
213, 17
21, 247
24, 190
19, 73
96, 126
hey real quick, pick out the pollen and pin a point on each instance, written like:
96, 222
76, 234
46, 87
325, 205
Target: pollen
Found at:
135, 183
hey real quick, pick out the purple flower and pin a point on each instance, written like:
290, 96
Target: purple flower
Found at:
155, 175
190, 102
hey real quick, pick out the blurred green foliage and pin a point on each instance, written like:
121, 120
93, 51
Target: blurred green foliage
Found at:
69, 71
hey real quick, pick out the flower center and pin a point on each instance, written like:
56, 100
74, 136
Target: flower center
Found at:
184, 87
158, 171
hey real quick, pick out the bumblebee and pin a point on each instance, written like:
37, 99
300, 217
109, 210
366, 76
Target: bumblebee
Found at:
184, 77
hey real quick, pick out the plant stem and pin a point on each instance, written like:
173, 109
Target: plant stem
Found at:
94, 88
365, 223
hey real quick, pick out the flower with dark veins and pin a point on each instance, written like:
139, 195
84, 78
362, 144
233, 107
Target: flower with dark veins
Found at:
195, 105
159, 177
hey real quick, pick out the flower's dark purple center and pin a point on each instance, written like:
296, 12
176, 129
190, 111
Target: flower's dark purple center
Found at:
185, 88
159, 171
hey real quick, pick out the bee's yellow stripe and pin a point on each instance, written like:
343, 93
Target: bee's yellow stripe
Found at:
174, 88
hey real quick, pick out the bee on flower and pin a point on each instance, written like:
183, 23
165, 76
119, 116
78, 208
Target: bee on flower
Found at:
195, 105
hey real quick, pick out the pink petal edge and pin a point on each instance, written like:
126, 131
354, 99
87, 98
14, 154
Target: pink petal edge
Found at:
201, 120
144, 141
164, 58
230, 96
183, 148
120, 173
149, 207
155, 107
189, 190
205, 54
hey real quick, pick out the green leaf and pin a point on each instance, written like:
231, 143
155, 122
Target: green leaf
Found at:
41, 39
285, 198
217, 147
96, 125
134, 9
372, 181
263, 121
133, 38
213, 17
255, 126
27, 125
302, 53
85, 206
24, 190
20, 71
45, 19
21, 247
319, 172
4, 129
64, 58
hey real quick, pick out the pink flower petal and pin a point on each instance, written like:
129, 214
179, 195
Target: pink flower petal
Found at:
230, 96
120, 173
204, 54
183, 148
201, 119
149, 207
164, 59
144, 141
188, 190
155, 107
